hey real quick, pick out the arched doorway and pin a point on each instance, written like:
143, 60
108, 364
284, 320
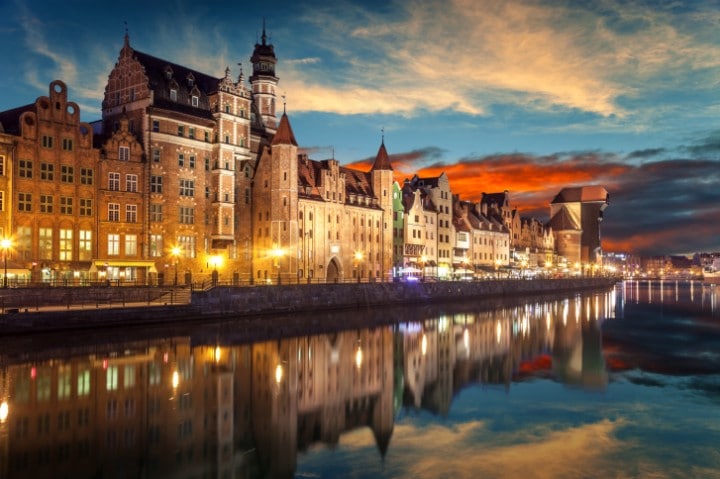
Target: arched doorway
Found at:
333, 271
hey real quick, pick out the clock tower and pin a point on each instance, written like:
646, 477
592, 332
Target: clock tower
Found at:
264, 82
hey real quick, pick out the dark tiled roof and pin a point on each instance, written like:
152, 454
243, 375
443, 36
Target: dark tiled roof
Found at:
382, 161
284, 134
357, 182
581, 194
10, 119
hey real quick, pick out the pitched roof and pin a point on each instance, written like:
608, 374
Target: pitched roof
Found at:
382, 160
581, 194
10, 119
284, 134
562, 221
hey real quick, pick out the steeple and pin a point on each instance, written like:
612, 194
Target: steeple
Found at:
263, 58
284, 134
382, 160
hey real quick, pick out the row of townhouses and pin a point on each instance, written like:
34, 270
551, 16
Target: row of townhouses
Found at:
189, 177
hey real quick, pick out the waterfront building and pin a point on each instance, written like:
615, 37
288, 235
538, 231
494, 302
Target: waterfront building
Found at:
419, 233
575, 216
486, 245
535, 243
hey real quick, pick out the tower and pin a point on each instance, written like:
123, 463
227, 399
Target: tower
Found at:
264, 82
382, 184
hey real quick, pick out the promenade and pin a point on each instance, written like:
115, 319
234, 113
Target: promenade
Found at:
57, 309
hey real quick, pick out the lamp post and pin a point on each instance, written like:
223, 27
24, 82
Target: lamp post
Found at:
358, 256
215, 261
278, 253
176, 255
5, 244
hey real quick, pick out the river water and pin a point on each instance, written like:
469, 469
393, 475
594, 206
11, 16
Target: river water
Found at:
622, 383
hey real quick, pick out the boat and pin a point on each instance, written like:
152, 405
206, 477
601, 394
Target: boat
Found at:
711, 273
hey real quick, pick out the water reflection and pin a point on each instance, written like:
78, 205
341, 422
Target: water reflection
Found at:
212, 401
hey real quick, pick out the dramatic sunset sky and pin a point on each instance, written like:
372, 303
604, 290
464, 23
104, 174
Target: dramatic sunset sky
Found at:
526, 96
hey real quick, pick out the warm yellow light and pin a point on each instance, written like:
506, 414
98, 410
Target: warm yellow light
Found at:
548, 264
423, 345
5, 243
423, 259
466, 339
216, 261
358, 255
4, 411
277, 252
176, 251
217, 354
358, 357
175, 379
278, 373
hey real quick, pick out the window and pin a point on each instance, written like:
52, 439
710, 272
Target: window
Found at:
66, 245
67, 174
131, 213
25, 168
128, 379
156, 214
155, 126
83, 383
181, 160
207, 164
46, 204
207, 192
111, 379
2, 201
156, 155
173, 94
156, 184
207, 136
191, 161
181, 130
85, 245
2, 165
67, 144
187, 188
25, 202
66, 205
131, 182
47, 171
23, 241
114, 181
86, 176
86, 207
195, 101
187, 245
124, 153
113, 244
130, 245
47, 141
156, 246
187, 215
113, 212
45, 243
191, 131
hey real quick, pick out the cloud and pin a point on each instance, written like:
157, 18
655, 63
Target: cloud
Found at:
646, 153
707, 146
473, 450
464, 56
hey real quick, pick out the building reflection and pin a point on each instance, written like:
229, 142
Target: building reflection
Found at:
190, 406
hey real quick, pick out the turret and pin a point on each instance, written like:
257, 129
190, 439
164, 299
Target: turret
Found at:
263, 80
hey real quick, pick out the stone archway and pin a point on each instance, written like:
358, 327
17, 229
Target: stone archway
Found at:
333, 271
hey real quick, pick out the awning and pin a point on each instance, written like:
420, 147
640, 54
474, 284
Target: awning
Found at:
98, 264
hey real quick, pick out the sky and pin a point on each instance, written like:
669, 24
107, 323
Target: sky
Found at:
525, 96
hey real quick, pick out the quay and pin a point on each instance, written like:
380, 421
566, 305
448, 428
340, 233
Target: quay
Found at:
120, 307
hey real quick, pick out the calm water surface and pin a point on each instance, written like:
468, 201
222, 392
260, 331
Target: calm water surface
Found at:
621, 384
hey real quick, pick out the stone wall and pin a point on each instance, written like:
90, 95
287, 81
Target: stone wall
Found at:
291, 298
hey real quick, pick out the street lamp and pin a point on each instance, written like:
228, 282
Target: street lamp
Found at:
5, 244
278, 253
215, 261
176, 254
358, 257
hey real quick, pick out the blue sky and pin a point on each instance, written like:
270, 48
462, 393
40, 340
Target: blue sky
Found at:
528, 96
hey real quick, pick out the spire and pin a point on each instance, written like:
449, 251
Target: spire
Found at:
264, 36
284, 134
127, 35
382, 160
